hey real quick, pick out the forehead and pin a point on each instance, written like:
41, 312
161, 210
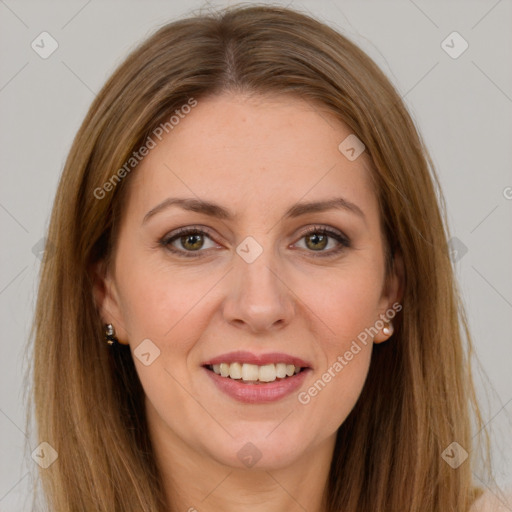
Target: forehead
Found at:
253, 152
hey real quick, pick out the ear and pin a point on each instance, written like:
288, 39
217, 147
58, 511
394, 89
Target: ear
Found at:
107, 300
391, 297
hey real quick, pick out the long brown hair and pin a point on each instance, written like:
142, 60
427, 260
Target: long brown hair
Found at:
418, 397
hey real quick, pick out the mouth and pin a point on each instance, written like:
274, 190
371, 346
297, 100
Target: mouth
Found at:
253, 378
247, 373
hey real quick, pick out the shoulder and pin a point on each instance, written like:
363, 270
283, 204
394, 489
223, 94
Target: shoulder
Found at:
491, 502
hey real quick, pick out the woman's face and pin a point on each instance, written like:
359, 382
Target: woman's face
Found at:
257, 286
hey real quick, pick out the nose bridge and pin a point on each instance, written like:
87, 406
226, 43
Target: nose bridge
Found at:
257, 297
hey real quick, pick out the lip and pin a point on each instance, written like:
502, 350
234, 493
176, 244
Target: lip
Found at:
258, 359
257, 393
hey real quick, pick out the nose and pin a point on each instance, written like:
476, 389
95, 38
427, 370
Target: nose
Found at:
258, 298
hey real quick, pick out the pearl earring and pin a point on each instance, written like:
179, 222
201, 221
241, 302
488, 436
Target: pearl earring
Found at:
388, 329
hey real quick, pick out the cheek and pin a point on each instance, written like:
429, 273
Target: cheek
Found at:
338, 388
347, 308
157, 300
334, 389
346, 301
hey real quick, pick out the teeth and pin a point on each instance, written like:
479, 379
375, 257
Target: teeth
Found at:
268, 373
235, 371
249, 372
281, 370
254, 373
224, 369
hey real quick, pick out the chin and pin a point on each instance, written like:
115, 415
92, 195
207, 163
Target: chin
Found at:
259, 448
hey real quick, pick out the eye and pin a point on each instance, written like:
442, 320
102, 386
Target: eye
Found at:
190, 239
317, 239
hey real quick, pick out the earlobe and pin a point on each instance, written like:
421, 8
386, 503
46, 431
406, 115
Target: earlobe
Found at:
106, 300
385, 333
392, 295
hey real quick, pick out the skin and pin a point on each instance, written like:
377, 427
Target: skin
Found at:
257, 156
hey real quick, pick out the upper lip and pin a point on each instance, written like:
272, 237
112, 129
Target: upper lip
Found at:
241, 356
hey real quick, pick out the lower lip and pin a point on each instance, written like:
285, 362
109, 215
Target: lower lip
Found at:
258, 393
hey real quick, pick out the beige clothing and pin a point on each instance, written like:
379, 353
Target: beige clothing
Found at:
490, 502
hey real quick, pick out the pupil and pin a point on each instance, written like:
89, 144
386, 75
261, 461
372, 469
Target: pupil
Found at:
188, 238
318, 238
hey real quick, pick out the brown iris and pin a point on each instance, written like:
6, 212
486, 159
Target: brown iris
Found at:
318, 239
196, 241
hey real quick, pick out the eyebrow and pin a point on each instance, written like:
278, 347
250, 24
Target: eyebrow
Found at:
215, 210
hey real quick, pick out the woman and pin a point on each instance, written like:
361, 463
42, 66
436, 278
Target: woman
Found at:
251, 303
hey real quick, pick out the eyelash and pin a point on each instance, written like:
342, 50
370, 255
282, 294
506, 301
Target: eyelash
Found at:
166, 241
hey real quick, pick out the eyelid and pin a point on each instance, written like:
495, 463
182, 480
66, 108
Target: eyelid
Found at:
174, 235
333, 233
186, 229
342, 240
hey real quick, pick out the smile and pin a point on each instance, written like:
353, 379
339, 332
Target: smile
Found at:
252, 373
257, 378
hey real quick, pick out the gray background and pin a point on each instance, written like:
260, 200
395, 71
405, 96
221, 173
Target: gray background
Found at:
462, 106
